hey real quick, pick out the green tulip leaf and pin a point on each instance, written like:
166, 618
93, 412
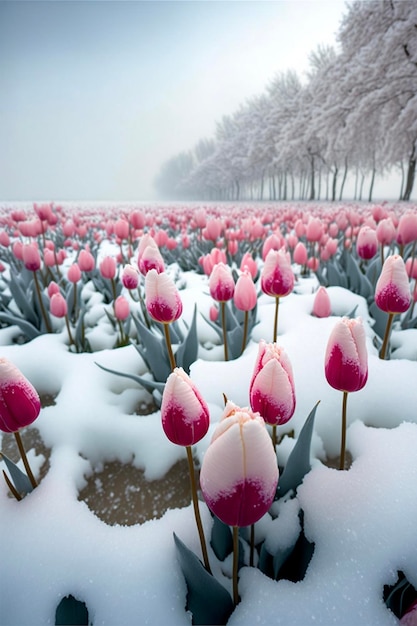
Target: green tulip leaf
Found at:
187, 352
19, 479
71, 611
298, 464
207, 599
221, 539
149, 385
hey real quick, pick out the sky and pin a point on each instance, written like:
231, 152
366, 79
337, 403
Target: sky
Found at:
96, 94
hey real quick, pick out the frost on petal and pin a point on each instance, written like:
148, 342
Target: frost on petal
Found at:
392, 291
239, 474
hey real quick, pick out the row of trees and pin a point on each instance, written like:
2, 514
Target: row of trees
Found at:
356, 115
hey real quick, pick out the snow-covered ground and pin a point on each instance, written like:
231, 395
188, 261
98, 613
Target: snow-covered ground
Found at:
362, 521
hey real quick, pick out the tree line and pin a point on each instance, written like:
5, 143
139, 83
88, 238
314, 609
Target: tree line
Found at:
355, 114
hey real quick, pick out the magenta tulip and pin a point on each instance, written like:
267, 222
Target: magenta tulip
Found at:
19, 401
392, 291
277, 277
162, 298
271, 389
184, 412
239, 473
346, 360
346, 365
221, 283
151, 258
366, 243
130, 277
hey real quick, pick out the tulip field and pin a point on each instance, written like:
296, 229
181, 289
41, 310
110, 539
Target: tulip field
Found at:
208, 414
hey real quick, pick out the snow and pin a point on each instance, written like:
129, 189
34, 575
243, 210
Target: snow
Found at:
362, 521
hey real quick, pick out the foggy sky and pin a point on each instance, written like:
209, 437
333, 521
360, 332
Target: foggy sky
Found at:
96, 95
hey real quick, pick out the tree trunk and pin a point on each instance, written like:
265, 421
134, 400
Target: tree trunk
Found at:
344, 179
371, 186
361, 187
411, 174
355, 193
261, 190
312, 181
336, 171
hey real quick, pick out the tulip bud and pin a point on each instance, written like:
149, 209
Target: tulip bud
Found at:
346, 359
31, 257
58, 305
322, 306
130, 277
185, 415
271, 389
74, 273
86, 261
277, 278
221, 283
19, 401
121, 308
162, 298
239, 473
108, 267
366, 243
245, 296
392, 290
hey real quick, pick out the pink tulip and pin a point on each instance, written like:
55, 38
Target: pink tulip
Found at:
49, 257
271, 389
86, 261
31, 257
411, 267
273, 242
213, 229
366, 243
221, 283
322, 306
53, 288
385, 231
108, 267
162, 298
392, 291
239, 473
121, 229
300, 254
58, 305
184, 412
4, 239
213, 313
248, 263
407, 229
137, 219
130, 277
277, 278
314, 229
74, 273
245, 296
151, 258
19, 401
346, 359
121, 308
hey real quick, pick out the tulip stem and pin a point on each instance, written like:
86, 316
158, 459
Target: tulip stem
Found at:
386, 336
25, 459
245, 331
343, 440
252, 545
276, 318
169, 347
196, 508
274, 436
12, 488
43, 312
226, 352
71, 340
235, 563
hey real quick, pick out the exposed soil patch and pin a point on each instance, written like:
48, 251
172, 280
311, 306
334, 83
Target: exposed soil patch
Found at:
120, 493
31, 440
334, 462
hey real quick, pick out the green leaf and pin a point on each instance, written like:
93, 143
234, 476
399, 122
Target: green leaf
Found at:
26, 327
298, 464
153, 352
149, 385
221, 539
71, 611
19, 478
187, 352
207, 599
